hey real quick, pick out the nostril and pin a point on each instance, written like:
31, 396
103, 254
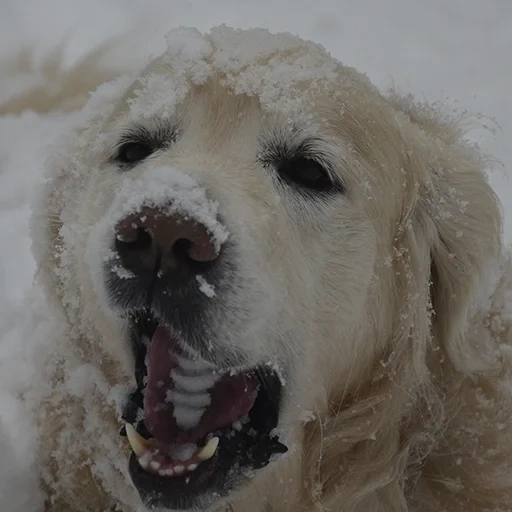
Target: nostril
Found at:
140, 242
181, 251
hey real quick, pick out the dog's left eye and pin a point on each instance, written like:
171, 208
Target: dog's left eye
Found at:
306, 173
133, 152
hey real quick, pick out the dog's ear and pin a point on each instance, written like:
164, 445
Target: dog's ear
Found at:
457, 219
466, 217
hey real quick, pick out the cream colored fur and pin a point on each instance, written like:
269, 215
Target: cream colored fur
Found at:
392, 301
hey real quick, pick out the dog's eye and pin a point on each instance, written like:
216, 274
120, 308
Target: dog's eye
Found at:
133, 152
306, 173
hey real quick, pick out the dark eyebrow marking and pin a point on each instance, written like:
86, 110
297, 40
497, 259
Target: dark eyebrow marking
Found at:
278, 148
160, 136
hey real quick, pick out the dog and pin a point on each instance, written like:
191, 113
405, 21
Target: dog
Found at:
273, 288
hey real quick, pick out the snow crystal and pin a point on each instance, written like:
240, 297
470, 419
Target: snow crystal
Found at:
307, 416
207, 288
122, 272
276, 368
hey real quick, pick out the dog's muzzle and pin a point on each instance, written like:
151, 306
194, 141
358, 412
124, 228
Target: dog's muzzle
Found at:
197, 424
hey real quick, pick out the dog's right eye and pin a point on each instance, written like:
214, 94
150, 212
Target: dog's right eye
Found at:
133, 152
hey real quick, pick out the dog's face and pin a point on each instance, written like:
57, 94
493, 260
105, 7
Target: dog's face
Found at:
229, 226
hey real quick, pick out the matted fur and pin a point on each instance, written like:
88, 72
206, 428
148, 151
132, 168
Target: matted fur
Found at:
404, 338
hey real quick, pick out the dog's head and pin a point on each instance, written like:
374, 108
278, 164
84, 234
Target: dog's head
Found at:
243, 231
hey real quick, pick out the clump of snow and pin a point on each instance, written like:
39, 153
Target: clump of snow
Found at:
157, 95
307, 416
187, 53
277, 369
207, 288
274, 67
122, 272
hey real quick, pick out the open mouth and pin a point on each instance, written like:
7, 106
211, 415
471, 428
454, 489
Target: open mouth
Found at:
196, 430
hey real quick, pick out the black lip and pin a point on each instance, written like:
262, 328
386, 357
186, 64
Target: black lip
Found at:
240, 452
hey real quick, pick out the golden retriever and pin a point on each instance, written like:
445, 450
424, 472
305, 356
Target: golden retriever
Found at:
284, 287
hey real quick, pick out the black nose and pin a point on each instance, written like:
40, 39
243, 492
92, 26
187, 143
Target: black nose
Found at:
173, 245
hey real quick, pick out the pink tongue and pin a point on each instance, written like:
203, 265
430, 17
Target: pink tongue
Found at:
231, 397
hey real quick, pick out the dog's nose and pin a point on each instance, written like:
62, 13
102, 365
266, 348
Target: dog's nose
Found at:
152, 240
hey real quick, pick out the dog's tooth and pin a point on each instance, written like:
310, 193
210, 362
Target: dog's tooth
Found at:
144, 462
179, 469
192, 467
209, 450
154, 465
137, 442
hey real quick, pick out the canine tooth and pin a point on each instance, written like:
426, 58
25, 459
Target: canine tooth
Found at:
137, 442
209, 450
192, 467
179, 469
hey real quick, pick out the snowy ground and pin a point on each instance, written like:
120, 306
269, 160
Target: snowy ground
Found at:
452, 50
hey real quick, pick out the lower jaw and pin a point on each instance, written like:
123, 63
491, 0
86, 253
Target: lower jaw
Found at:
240, 452
234, 463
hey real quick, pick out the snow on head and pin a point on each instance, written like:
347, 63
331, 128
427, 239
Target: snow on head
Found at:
276, 68
159, 92
187, 53
273, 67
155, 96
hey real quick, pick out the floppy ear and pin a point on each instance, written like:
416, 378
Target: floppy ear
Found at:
457, 215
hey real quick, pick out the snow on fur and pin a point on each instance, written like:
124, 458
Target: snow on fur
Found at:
171, 191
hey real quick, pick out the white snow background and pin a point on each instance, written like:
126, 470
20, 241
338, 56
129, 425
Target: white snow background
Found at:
456, 51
